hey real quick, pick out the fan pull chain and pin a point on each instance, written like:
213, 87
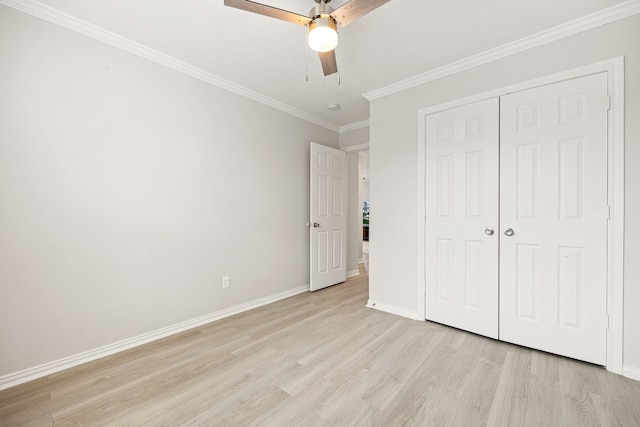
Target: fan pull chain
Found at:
306, 71
339, 67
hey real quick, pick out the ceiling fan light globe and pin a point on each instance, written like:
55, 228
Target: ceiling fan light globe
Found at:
323, 36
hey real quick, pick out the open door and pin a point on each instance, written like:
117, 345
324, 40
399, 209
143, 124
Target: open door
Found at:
328, 222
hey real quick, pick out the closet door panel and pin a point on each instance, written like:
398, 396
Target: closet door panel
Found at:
462, 204
553, 196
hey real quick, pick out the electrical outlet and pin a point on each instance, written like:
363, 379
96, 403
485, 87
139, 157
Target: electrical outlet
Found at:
225, 282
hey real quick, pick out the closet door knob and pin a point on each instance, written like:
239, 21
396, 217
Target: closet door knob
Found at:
508, 232
488, 231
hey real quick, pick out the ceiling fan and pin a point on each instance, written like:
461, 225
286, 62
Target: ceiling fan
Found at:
322, 23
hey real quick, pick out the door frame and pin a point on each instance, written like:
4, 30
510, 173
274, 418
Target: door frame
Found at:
615, 171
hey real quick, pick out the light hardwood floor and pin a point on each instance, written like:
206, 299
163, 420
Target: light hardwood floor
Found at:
323, 359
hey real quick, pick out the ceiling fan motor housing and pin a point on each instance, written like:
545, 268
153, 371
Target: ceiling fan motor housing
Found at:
322, 11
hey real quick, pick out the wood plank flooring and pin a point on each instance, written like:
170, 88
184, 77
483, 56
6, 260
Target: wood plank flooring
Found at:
323, 359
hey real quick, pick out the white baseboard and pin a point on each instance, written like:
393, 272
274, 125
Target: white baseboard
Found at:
393, 310
631, 372
49, 368
353, 273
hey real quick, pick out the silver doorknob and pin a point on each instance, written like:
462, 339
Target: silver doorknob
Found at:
508, 232
315, 224
488, 231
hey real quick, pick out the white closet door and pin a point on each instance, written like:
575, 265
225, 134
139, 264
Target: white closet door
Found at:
462, 207
553, 196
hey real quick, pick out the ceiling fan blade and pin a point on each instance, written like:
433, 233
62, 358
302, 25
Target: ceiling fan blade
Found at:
329, 64
263, 9
354, 9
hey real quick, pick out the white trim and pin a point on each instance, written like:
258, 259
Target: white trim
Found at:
615, 279
62, 19
29, 374
413, 315
602, 17
422, 215
608, 65
615, 302
353, 273
354, 126
631, 372
359, 147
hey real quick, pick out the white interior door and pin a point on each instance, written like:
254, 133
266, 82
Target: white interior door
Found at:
328, 216
553, 199
461, 214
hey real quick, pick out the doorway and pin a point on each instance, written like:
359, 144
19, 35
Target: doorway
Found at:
363, 179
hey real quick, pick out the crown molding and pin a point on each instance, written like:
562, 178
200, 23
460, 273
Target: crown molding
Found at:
587, 22
72, 23
354, 126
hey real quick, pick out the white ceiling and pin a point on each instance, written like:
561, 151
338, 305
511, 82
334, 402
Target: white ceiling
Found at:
401, 39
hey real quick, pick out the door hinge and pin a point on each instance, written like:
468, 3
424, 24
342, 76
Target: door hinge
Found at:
606, 321
608, 103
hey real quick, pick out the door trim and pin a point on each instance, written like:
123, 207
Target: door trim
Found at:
615, 145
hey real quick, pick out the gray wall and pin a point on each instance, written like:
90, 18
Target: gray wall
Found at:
127, 190
394, 165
